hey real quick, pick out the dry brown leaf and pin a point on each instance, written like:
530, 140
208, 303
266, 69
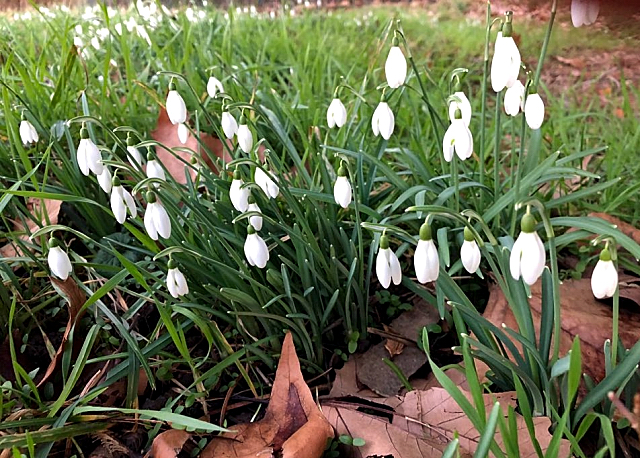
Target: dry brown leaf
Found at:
581, 315
166, 133
393, 346
292, 425
76, 298
626, 228
48, 214
169, 443
381, 437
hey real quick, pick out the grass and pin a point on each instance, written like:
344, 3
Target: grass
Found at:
282, 72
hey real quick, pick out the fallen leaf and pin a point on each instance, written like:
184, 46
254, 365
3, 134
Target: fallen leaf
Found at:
169, 443
48, 214
381, 438
626, 228
581, 315
75, 298
166, 133
392, 346
292, 426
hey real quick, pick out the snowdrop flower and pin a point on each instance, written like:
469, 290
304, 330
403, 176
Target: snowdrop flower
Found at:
387, 264
28, 133
336, 114
514, 99
239, 194
527, 255
133, 154
183, 133
121, 200
604, 279
245, 136
268, 186
156, 219
469, 252
104, 180
395, 68
176, 108
88, 155
584, 12
383, 122
176, 282
534, 111
342, 188
214, 86
154, 168
58, 260
505, 65
255, 220
255, 249
457, 138
425, 258
463, 105
229, 124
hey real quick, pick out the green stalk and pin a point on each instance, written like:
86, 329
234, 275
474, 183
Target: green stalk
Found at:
496, 149
485, 74
523, 133
456, 182
545, 43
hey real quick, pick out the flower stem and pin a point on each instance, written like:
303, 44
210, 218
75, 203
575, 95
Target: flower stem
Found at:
456, 183
485, 74
496, 149
545, 43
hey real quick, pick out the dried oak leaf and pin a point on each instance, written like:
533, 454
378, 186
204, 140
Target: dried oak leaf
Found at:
166, 133
46, 210
581, 315
75, 298
292, 427
169, 443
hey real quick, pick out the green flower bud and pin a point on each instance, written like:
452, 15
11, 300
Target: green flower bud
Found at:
250, 229
84, 133
468, 235
342, 171
172, 264
528, 223
115, 181
151, 197
605, 255
384, 242
425, 232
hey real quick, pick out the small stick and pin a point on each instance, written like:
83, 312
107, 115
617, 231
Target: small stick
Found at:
633, 419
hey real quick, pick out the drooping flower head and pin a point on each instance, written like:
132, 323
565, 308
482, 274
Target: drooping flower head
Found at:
133, 154
245, 136
383, 121
457, 138
104, 180
604, 279
514, 99
176, 281
395, 68
459, 101
214, 86
28, 133
255, 249
342, 188
156, 218
228, 123
238, 193
254, 220
88, 155
154, 168
528, 255
121, 201
584, 12
470, 252
534, 109
264, 181
336, 114
425, 258
176, 108
505, 65
387, 264
58, 260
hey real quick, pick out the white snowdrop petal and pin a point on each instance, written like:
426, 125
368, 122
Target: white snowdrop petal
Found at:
117, 204
470, 256
534, 111
104, 180
181, 283
395, 67
149, 223
261, 255
383, 269
162, 221
396, 271
134, 157
433, 260
533, 258
155, 170
176, 108
245, 138
386, 122
239, 196
578, 12
448, 142
465, 108
256, 220
513, 98
183, 133
130, 203
249, 250
214, 86
593, 8
463, 140
515, 259
229, 125
171, 283
59, 263
342, 192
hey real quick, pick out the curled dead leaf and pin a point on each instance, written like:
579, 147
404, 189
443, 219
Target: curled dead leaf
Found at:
169, 443
292, 427
45, 209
